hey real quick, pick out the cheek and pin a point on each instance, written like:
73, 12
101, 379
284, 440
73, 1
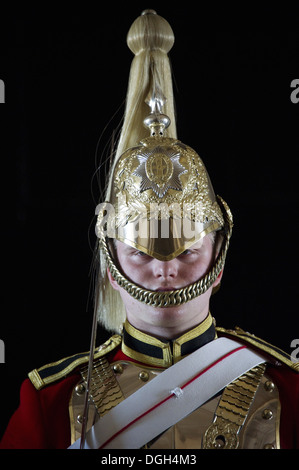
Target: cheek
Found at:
133, 270
197, 269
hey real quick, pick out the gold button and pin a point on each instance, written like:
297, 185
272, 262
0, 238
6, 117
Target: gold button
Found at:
144, 376
118, 368
80, 419
80, 389
269, 386
219, 442
267, 414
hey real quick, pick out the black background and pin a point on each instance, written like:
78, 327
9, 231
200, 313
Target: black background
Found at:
65, 72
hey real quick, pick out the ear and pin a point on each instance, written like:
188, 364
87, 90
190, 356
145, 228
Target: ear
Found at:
216, 283
112, 281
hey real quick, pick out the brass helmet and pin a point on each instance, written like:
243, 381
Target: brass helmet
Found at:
160, 199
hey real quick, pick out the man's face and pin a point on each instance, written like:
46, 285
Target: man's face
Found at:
155, 275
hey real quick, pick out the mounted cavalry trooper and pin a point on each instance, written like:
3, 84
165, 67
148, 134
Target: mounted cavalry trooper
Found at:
168, 378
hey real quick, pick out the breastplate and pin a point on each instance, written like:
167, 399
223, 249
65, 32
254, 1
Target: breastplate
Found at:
112, 383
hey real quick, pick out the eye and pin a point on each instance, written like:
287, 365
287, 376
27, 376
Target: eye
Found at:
140, 253
186, 252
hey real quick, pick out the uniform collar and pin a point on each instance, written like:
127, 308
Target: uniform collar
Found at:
156, 352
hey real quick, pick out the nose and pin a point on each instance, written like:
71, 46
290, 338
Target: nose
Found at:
165, 270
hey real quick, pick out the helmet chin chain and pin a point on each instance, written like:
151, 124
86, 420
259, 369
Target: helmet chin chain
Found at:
179, 296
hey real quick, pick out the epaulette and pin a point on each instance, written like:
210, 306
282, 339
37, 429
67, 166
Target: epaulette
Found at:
57, 370
244, 337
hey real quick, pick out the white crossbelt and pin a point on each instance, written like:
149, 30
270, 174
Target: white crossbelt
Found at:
171, 396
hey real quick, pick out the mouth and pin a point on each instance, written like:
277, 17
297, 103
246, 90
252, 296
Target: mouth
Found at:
166, 289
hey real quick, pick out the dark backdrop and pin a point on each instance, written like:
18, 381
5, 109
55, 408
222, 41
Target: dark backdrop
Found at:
66, 73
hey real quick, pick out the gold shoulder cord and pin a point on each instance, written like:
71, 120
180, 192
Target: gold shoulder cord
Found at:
232, 410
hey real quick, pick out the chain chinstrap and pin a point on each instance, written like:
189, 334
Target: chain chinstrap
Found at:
176, 297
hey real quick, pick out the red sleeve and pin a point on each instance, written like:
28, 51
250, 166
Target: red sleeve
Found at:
42, 419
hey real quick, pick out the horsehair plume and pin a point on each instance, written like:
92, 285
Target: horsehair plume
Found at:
150, 38
150, 32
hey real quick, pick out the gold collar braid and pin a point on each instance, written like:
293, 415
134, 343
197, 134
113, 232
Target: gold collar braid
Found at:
179, 296
153, 351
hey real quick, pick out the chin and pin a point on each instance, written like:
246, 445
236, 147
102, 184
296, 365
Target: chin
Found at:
172, 316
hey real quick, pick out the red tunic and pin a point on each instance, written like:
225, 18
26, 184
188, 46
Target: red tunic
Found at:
42, 419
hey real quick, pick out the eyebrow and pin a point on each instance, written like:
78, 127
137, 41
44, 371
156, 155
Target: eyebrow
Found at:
128, 249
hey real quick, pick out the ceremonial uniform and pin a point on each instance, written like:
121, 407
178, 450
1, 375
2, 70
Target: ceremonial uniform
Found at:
52, 399
163, 236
